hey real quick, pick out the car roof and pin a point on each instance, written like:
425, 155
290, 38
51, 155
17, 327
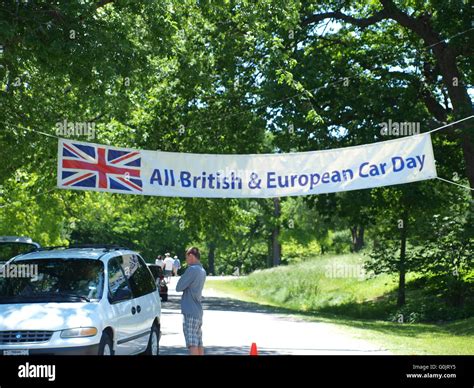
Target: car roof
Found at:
74, 253
18, 240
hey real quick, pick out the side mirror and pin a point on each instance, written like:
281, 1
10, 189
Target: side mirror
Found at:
121, 294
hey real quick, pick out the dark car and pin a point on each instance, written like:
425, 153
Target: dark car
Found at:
11, 246
157, 273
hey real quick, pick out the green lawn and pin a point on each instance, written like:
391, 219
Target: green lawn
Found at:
329, 289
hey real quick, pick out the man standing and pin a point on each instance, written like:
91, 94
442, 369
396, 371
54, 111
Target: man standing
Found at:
168, 266
159, 261
176, 266
191, 284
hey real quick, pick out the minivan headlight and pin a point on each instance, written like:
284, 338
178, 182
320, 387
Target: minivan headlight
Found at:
79, 332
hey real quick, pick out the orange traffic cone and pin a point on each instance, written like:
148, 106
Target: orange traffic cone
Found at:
253, 349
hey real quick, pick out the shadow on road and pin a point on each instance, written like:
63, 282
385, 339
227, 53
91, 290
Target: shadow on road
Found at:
224, 304
228, 304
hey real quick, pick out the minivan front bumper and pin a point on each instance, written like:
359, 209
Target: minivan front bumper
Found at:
56, 346
90, 350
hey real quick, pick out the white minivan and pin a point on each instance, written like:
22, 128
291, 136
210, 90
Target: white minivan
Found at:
87, 300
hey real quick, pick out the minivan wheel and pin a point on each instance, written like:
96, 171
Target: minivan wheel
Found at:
105, 346
153, 348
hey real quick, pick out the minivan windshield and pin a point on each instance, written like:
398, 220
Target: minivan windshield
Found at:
51, 280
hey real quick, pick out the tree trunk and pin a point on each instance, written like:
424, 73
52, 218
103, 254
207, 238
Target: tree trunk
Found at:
462, 106
467, 145
276, 246
270, 251
402, 264
357, 233
211, 258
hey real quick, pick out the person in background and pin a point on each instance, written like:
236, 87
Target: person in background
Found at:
176, 266
168, 266
191, 284
159, 261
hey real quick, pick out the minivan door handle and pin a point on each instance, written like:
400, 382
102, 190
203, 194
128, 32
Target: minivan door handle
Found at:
139, 308
134, 310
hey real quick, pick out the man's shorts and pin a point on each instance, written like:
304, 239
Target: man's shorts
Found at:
168, 272
192, 328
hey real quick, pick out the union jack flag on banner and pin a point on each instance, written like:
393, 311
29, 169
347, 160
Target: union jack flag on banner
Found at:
86, 166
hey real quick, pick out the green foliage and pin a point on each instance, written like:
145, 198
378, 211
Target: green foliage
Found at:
230, 77
338, 286
449, 257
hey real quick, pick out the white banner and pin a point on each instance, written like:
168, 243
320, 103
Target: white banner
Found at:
86, 166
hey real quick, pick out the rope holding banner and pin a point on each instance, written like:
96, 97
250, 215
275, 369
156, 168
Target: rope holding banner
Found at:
450, 124
454, 183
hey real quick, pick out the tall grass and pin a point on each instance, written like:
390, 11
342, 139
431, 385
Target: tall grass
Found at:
316, 283
337, 285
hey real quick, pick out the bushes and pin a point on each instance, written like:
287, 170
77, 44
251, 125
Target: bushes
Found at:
448, 260
431, 309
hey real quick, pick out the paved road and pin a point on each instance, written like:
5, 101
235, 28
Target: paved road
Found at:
230, 326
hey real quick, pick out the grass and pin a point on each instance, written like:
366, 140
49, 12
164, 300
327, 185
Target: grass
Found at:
330, 289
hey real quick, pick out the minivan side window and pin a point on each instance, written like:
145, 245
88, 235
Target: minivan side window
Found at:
117, 280
140, 279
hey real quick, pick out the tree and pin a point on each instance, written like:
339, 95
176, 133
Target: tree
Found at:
232, 77
403, 224
429, 24
276, 244
391, 253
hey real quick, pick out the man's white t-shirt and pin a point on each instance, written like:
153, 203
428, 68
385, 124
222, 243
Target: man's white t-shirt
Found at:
169, 264
160, 263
